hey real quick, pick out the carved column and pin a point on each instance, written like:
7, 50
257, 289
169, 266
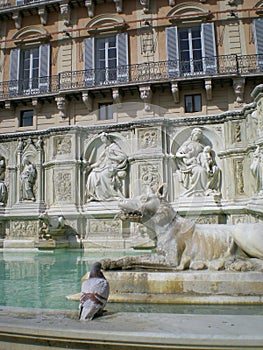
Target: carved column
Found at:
146, 96
39, 165
20, 148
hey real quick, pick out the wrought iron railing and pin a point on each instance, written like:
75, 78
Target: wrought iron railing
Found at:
229, 65
5, 4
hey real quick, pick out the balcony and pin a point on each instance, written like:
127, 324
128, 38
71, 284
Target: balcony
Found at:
19, 4
152, 72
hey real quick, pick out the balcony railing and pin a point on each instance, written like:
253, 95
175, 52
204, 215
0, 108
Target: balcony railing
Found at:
231, 65
5, 4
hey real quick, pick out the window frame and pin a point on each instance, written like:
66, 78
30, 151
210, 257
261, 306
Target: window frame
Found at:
16, 83
193, 103
108, 111
21, 124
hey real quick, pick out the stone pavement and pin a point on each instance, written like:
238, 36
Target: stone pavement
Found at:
28, 329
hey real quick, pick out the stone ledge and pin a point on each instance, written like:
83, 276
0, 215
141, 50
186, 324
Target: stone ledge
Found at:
45, 329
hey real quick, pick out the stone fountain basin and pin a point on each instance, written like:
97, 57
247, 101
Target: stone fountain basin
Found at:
184, 287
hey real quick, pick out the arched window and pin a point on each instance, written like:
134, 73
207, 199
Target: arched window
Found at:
30, 62
190, 43
106, 51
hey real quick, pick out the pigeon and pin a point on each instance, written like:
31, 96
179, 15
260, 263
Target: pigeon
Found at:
94, 294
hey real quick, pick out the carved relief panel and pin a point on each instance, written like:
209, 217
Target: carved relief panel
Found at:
62, 186
23, 229
62, 145
239, 175
105, 227
148, 139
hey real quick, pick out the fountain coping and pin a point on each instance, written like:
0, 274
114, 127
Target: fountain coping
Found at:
61, 329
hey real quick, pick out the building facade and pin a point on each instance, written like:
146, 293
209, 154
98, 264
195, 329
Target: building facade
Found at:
106, 99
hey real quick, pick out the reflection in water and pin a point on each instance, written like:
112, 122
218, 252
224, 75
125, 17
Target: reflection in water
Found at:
42, 279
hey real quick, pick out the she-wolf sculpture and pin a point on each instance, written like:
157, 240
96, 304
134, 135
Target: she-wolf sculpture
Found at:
182, 244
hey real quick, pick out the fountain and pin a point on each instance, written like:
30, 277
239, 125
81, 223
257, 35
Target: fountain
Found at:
97, 188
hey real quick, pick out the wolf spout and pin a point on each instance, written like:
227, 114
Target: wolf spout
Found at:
182, 244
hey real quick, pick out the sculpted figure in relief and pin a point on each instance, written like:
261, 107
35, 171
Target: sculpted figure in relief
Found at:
256, 168
198, 170
3, 189
27, 180
104, 180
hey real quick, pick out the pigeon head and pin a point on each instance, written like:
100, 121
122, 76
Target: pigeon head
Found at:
95, 270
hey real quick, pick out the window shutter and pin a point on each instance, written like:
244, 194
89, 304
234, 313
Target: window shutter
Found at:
44, 67
122, 57
208, 48
172, 52
89, 74
258, 30
14, 72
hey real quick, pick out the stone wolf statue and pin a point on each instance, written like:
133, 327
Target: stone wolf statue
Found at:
182, 244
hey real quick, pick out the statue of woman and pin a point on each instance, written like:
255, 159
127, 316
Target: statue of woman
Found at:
3, 188
256, 169
198, 171
27, 180
104, 180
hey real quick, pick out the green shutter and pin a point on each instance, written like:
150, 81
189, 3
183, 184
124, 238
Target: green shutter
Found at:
172, 52
258, 30
89, 74
208, 48
14, 72
122, 57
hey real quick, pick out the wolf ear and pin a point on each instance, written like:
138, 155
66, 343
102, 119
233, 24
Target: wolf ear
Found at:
162, 191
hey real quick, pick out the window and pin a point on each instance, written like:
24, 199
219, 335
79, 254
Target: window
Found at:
191, 51
106, 59
105, 111
193, 103
258, 30
29, 70
26, 118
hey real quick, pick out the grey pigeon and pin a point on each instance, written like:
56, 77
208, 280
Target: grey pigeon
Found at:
94, 294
